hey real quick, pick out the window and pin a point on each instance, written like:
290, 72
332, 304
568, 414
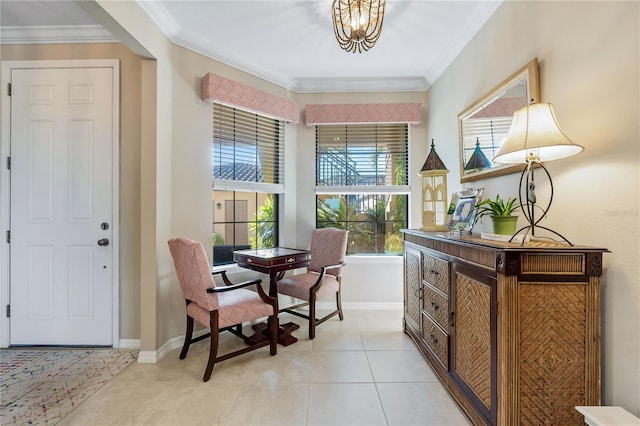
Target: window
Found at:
362, 184
247, 156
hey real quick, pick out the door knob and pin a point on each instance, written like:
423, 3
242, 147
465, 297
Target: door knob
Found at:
103, 242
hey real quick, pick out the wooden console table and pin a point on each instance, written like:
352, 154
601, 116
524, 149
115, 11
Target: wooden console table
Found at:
273, 262
512, 331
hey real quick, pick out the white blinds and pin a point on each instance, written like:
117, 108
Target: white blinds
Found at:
248, 151
368, 158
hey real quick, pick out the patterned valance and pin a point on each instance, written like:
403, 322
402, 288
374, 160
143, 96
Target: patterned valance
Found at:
363, 113
219, 89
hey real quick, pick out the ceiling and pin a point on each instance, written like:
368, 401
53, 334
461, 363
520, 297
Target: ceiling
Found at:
288, 42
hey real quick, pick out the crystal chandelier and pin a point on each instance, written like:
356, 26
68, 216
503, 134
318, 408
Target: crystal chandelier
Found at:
357, 23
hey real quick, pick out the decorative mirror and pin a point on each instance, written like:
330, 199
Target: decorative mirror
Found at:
485, 123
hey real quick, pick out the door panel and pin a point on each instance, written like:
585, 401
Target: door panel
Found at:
61, 192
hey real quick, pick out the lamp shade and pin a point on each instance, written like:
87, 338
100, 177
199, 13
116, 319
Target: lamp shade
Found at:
535, 135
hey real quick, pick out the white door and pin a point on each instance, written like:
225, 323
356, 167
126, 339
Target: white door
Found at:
61, 280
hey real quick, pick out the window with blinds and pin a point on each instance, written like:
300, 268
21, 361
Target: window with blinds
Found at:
248, 166
362, 184
248, 150
367, 155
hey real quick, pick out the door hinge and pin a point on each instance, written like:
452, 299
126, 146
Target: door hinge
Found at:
8, 311
8, 163
8, 237
9, 89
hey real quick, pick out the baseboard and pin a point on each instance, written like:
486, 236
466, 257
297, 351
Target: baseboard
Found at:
362, 306
129, 344
152, 357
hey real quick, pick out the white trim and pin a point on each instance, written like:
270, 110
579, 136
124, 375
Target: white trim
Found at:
362, 306
5, 211
363, 189
236, 185
373, 259
49, 34
147, 357
115, 201
129, 344
152, 357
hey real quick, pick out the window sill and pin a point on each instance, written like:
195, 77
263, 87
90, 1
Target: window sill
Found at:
369, 259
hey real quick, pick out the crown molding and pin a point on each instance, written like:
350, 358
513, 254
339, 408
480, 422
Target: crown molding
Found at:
178, 36
56, 34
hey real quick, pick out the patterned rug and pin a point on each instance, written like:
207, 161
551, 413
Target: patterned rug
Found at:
41, 386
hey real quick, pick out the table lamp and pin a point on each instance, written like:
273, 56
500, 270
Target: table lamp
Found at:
535, 137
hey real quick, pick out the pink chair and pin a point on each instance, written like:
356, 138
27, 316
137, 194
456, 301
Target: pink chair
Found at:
219, 308
322, 279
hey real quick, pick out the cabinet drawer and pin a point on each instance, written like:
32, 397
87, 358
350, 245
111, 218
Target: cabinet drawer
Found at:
436, 305
435, 271
437, 340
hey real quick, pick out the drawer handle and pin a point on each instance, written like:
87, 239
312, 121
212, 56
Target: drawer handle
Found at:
249, 260
434, 272
290, 260
433, 339
434, 306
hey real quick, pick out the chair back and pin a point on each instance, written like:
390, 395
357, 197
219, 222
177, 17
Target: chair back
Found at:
328, 247
193, 271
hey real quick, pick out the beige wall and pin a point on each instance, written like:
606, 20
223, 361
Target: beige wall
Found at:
129, 244
589, 68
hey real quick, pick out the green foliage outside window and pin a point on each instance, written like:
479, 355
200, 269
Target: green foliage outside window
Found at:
370, 232
263, 225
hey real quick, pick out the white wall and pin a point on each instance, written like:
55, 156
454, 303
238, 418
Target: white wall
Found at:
589, 70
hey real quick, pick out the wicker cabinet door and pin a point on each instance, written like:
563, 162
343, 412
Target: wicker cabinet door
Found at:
473, 340
412, 287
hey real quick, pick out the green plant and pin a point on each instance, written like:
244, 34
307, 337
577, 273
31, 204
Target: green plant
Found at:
497, 207
263, 227
217, 239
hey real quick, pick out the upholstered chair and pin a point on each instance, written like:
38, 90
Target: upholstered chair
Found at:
323, 278
222, 308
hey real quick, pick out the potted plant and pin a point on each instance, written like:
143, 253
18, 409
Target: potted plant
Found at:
501, 213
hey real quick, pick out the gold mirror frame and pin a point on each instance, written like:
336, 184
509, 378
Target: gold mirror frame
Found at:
481, 127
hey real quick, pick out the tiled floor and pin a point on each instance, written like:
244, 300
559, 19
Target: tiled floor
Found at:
361, 371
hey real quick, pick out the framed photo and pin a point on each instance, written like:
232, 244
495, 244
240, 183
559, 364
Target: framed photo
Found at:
463, 208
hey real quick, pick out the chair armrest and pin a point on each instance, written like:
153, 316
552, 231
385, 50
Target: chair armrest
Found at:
327, 267
323, 271
273, 301
234, 286
223, 273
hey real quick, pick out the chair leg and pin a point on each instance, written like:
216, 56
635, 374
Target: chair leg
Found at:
312, 316
213, 349
187, 338
339, 303
273, 329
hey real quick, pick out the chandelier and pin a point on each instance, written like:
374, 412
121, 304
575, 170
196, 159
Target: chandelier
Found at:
357, 23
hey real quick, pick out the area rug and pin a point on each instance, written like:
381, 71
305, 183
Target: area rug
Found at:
41, 386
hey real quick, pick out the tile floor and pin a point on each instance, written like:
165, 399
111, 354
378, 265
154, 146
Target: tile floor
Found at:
361, 371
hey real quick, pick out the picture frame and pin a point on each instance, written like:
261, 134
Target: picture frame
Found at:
462, 210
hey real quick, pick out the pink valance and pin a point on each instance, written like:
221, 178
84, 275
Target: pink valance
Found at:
363, 113
219, 89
